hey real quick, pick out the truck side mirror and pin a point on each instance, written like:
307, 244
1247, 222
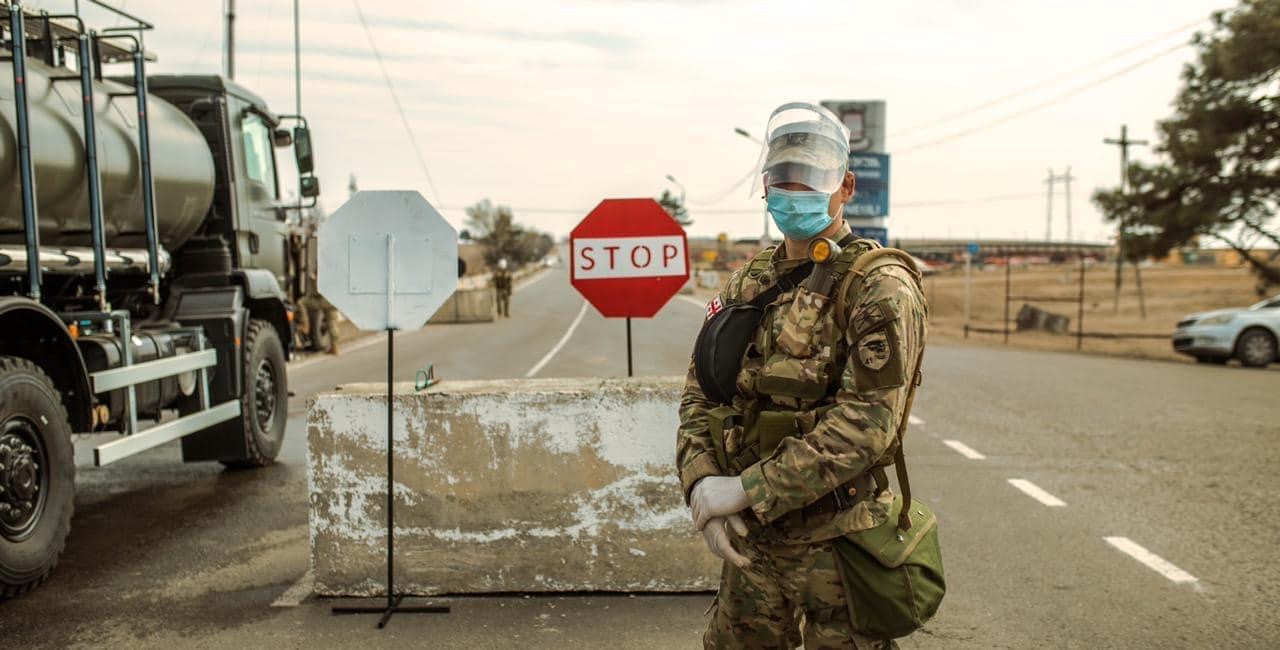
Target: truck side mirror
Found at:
309, 187
302, 150
282, 137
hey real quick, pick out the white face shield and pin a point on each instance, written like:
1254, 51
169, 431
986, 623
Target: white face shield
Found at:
804, 144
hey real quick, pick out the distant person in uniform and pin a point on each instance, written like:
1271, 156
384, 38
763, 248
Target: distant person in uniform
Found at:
312, 302
790, 456
502, 288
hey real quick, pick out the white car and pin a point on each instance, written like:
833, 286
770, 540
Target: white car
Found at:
1249, 334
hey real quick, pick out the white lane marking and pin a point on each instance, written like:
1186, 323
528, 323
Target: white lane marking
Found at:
297, 592
1035, 492
370, 340
559, 344
346, 349
1153, 561
964, 450
692, 301
915, 421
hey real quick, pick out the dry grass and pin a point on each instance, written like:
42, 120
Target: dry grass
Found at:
1171, 293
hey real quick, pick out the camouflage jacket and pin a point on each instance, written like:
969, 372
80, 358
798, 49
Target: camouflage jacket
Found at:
502, 281
845, 428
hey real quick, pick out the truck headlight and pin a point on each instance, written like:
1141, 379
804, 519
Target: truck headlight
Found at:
1218, 320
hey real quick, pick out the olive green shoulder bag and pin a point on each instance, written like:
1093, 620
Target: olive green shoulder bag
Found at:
892, 573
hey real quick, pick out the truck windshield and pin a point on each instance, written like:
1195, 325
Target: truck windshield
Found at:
259, 161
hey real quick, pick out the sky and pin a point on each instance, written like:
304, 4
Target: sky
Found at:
549, 106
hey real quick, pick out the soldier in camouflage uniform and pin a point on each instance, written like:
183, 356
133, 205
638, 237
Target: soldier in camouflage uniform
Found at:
788, 466
502, 288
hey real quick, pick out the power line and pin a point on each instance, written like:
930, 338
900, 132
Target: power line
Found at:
395, 98
1042, 105
724, 194
1045, 82
908, 204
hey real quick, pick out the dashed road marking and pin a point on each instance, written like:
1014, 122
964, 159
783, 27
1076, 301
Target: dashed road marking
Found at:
964, 450
559, 344
913, 420
1151, 560
1035, 492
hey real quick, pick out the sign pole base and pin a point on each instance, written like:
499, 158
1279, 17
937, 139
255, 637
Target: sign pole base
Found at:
629, 366
393, 605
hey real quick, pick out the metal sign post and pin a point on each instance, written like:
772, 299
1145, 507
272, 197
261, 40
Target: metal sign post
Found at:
401, 292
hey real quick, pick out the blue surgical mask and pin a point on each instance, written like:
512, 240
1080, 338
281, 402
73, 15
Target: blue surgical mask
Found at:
799, 214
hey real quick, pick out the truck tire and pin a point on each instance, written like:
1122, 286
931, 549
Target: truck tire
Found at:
264, 406
37, 476
320, 340
1256, 348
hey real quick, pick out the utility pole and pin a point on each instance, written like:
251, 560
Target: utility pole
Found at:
1048, 215
1066, 180
230, 54
1124, 143
297, 62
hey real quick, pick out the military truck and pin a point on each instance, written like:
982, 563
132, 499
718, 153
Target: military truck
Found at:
144, 269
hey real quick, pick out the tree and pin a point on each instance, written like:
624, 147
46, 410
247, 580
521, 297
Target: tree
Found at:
495, 229
674, 205
1219, 174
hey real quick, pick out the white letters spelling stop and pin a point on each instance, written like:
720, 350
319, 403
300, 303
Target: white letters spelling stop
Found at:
629, 257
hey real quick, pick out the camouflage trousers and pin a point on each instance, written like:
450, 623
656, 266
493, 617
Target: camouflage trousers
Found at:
791, 594
504, 302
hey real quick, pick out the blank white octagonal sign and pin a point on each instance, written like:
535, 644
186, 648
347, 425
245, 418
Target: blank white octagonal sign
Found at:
387, 260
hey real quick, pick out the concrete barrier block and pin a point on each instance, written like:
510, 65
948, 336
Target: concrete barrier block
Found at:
504, 486
466, 306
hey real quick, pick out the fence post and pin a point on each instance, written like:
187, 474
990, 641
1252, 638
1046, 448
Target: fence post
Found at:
1008, 288
1080, 312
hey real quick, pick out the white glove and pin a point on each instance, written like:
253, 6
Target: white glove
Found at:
716, 534
717, 496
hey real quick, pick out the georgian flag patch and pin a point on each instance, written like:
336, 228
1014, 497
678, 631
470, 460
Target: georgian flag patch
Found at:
714, 307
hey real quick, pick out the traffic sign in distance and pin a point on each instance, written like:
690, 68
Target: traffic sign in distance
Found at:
629, 257
387, 260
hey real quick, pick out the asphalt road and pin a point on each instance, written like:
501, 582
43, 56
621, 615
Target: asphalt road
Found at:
1084, 502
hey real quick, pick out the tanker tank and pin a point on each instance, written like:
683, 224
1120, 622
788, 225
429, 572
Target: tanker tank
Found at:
181, 164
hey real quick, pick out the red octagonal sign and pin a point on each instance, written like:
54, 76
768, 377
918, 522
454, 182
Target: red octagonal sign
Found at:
628, 258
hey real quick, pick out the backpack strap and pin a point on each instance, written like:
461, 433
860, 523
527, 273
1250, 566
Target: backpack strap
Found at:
862, 267
753, 269
899, 461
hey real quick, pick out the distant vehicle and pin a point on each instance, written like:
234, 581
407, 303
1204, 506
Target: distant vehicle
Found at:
1249, 334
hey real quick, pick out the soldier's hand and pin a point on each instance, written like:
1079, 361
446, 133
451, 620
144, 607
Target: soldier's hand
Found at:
717, 496
716, 535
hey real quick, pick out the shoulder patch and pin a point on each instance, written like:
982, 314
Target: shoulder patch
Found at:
873, 316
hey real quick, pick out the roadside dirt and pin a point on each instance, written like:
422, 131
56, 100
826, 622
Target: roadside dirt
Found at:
1170, 294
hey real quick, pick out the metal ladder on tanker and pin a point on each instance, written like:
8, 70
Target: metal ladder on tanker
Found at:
129, 375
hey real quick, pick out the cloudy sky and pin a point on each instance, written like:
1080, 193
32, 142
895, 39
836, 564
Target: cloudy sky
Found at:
551, 105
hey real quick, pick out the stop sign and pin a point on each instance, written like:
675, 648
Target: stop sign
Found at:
628, 257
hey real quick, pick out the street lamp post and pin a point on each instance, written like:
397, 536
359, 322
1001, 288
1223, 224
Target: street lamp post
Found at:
765, 239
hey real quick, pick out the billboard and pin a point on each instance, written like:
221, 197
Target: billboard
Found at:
871, 197
865, 121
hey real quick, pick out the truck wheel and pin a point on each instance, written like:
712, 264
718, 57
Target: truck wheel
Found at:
264, 407
319, 330
1256, 348
37, 476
